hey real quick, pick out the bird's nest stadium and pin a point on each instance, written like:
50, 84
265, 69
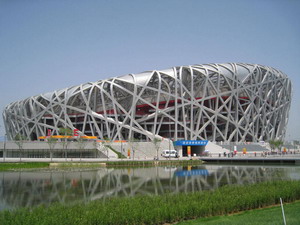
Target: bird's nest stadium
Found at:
232, 102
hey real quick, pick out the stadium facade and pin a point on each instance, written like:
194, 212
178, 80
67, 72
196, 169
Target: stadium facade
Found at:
231, 102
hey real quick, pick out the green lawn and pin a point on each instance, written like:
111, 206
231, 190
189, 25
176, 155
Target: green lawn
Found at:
266, 216
25, 165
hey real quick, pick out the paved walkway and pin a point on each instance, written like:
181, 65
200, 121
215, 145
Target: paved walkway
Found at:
253, 158
212, 157
88, 160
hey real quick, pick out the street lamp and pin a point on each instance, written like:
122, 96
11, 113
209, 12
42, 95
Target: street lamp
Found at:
4, 149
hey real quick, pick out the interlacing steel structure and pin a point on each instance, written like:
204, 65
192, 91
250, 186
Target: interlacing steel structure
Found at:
232, 102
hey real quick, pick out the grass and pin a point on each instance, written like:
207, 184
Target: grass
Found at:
27, 165
266, 216
76, 165
119, 154
160, 209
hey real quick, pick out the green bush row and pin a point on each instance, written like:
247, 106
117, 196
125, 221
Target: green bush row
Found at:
160, 209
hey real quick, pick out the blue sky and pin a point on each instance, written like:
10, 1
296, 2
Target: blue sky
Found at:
49, 45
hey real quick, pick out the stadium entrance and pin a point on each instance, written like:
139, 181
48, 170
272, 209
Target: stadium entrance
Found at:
192, 147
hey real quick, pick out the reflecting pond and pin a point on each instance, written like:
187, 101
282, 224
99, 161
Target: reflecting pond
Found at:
32, 188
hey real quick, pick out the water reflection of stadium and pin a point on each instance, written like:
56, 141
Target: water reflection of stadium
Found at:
31, 188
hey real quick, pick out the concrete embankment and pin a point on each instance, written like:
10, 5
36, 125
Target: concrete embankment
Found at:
277, 159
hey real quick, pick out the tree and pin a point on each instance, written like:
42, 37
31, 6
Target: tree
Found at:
51, 142
65, 132
133, 144
156, 142
19, 140
275, 144
81, 143
95, 145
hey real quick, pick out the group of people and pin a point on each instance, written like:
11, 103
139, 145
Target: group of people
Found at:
262, 154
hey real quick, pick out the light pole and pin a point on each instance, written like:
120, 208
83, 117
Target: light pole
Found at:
121, 147
4, 149
169, 134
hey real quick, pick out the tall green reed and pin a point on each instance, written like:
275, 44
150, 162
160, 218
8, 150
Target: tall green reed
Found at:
160, 209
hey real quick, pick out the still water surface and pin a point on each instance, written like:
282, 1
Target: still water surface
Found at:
43, 187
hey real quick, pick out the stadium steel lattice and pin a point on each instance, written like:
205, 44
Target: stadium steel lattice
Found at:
218, 102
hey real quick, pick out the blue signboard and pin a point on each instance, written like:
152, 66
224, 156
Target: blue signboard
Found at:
191, 142
188, 173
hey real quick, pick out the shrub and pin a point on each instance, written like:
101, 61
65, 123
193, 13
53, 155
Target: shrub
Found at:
159, 209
